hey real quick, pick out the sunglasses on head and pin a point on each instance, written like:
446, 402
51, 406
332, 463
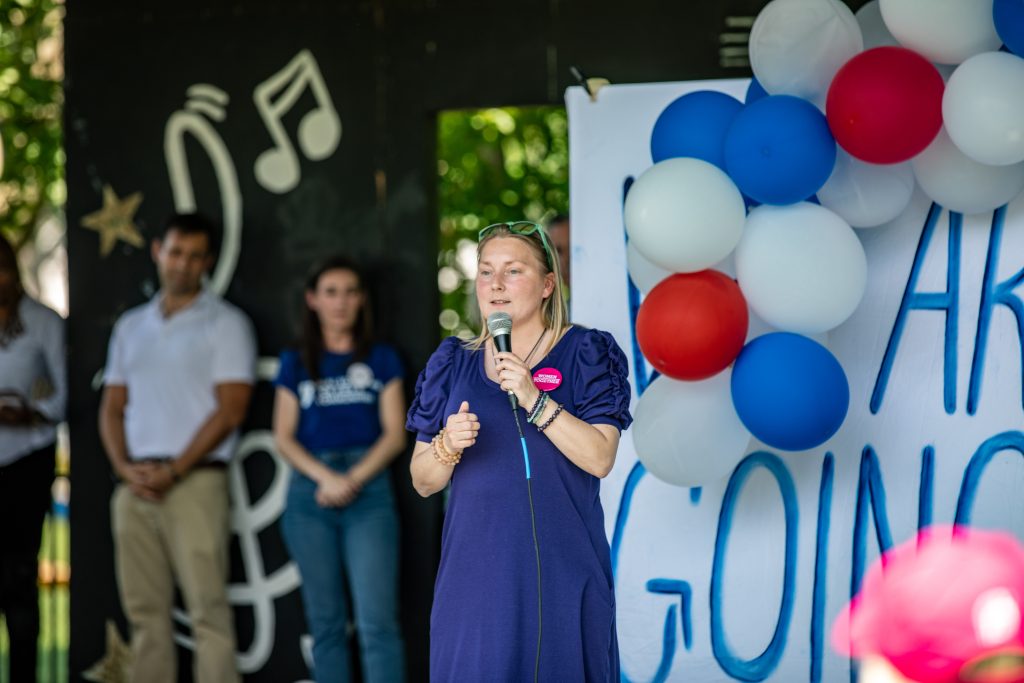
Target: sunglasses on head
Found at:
524, 228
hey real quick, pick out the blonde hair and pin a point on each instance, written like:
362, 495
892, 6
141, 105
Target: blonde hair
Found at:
554, 310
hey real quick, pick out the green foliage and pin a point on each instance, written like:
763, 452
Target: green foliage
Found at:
494, 165
31, 98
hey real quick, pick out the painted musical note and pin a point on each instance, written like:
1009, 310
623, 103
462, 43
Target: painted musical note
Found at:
211, 101
277, 169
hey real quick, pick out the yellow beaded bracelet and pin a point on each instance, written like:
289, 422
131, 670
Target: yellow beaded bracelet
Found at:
441, 452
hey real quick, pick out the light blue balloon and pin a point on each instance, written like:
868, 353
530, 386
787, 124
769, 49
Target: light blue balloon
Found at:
789, 391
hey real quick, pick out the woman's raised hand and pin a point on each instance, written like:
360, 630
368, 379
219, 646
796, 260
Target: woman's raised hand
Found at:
461, 429
514, 376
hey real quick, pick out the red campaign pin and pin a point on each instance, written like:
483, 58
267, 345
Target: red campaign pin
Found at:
547, 379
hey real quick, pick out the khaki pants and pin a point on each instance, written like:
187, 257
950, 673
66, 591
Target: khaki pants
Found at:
183, 538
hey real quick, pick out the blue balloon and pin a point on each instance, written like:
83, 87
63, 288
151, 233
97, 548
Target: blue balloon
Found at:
779, 150
1009, 19
755, 91
694, 125
789, 391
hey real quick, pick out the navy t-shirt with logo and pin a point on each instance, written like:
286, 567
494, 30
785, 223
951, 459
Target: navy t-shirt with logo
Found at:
341, 410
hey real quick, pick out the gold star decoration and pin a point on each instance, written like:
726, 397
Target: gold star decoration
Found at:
115, 221
113, 668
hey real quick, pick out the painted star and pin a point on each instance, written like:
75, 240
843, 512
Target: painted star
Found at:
113, 668
115, 221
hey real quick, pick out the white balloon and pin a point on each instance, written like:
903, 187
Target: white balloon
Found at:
688, 433
944, 31
872, 27
983, 108
757, 327
684, 214
796, 46
645, 274
801, 267
867, 195
955, 181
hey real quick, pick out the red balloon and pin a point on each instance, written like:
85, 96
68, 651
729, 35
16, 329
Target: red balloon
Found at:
885, 105
692, 325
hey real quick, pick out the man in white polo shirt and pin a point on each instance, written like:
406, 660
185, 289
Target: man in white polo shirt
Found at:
179, 377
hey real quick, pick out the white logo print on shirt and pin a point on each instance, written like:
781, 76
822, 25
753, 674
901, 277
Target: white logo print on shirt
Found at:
360, 376
357, 386
307, 392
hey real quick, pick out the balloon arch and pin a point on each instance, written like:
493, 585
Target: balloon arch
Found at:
755, 204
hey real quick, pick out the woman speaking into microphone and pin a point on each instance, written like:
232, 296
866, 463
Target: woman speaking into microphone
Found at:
524, 589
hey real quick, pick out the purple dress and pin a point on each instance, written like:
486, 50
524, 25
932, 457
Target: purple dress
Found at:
484, 624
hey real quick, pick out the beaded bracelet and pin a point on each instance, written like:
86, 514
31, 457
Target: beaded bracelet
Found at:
532, 410
547, 423
538, 408
441, 452
442, 455
447, 456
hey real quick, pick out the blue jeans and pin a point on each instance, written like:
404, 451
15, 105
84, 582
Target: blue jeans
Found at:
359, 543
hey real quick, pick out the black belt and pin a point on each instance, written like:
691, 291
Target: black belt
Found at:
212, 464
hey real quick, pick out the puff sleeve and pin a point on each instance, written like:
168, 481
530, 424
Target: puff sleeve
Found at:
426, 413
601, 391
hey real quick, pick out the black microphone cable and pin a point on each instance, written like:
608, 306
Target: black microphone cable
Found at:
499, 324
533, 523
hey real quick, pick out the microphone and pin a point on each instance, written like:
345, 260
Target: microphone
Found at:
499, 324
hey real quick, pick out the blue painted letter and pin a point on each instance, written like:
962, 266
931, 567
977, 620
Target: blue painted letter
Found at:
948, 301
993, 295
760, 667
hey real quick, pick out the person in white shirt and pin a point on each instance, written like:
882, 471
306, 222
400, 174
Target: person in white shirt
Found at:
179, 377
33, 391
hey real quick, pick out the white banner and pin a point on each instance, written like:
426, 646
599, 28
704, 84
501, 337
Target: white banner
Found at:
743, 578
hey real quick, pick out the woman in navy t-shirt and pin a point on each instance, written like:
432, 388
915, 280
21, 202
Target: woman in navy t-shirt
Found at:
338, 419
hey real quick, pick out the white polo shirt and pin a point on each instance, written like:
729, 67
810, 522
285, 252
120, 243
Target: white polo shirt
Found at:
171, 367
36, 355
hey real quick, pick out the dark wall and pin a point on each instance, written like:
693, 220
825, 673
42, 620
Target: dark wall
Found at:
389, 66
